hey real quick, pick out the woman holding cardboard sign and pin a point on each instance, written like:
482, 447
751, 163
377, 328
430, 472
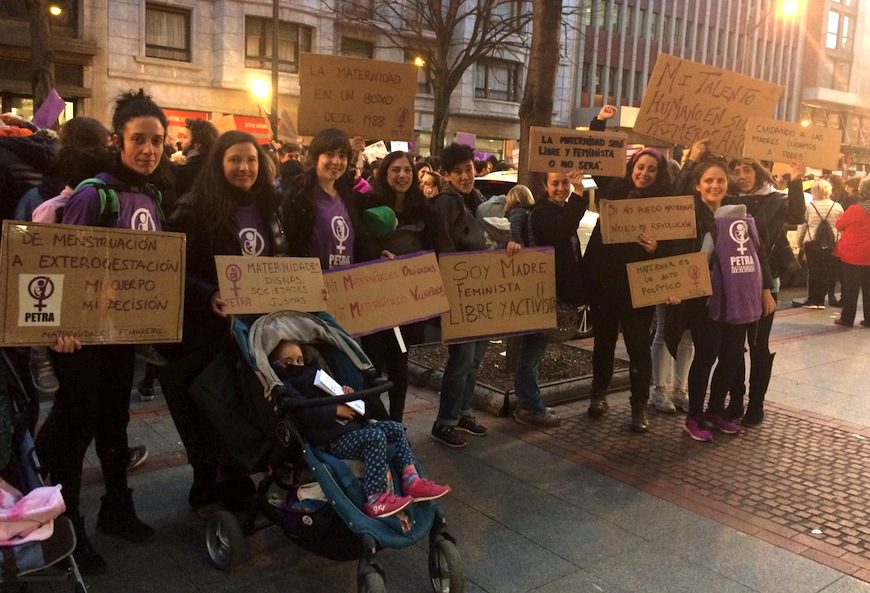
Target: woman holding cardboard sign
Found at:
646, 176
227, 212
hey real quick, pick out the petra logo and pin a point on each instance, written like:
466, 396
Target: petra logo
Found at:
252, 241
341, 232
739, 233
142, 220
234, 274
40, 297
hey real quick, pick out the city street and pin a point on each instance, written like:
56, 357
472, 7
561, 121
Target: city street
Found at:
587, 506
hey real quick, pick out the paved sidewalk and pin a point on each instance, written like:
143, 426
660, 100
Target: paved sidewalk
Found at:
586, 507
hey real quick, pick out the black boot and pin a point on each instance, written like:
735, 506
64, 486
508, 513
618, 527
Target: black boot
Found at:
118, 517
90, 563
757, 390
598, 404
735, 410
639, 422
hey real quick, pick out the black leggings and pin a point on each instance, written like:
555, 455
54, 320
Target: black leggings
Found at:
714, 339
635, 333
92, 403
383, 350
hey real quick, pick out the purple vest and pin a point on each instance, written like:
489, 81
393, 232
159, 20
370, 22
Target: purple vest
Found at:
736, 272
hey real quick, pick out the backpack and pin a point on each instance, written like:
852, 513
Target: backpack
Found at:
736, 272
824, 241
110, 203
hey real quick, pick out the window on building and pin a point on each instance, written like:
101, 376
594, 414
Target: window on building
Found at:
840, 31
293, 40
586, 15
600, 14
506, 9
357, 48
497, 79
357, 8
167, 33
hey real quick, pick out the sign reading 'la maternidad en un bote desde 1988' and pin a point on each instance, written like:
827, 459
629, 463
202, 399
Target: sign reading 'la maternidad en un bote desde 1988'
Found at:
370, 98
100, 285
376, 295
493, 294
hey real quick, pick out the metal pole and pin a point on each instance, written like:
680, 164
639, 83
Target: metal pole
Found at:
273, 116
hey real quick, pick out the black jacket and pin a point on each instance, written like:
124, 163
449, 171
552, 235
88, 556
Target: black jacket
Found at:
556, 226
23, 161
187, 173
409, 235
450, 222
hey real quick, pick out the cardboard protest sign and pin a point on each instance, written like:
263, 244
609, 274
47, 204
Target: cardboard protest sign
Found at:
772, 140
370, 98
491, 294
652, 281
51, 108
666, 218
266, 284
375, 151
563, 149
373, 296
687, 101
101, 285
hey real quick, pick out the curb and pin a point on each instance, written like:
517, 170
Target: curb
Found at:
492, 400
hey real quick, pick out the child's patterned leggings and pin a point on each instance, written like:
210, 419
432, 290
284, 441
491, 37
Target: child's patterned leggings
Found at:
369, 444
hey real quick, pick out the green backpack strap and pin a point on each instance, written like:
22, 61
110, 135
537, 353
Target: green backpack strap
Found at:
110, 204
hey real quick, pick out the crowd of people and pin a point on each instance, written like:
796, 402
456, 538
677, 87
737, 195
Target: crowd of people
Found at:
225, 197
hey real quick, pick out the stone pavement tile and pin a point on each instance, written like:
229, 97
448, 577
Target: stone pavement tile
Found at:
651, 568
847, 585
756, 564
584, 582
497, 558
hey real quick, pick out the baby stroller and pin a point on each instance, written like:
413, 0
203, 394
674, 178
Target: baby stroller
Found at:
43, 559
314, 497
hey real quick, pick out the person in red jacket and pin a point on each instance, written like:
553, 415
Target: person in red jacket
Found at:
853, 250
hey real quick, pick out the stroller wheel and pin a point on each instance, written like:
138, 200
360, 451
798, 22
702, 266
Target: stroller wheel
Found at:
445, 567
224, 540
372, 582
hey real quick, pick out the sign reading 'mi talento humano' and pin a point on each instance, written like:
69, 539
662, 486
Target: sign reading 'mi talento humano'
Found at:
100, 285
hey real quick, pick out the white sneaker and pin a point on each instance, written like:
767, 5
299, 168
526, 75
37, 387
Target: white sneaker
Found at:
681, 400
663, 401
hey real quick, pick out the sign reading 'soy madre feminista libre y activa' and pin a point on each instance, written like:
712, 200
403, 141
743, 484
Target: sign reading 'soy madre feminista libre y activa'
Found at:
687, 101
492, 294
622, 221
369, 98
377, 295
684, 276
784, 142
266, 284
103, 286
563, 149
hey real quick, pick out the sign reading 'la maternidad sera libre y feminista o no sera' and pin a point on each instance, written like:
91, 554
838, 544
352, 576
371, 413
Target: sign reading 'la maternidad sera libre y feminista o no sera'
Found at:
493, 294
369, 98
686, 101
564, 149
100, 285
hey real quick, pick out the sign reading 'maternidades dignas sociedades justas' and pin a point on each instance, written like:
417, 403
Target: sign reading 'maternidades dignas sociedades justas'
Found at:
370, 98
103, 286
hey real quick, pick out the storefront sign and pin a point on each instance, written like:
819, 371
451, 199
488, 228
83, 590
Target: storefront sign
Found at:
784, 142
176, 120
258, 127
370, 98
687, 101
563, 149
492, 294
103, 286
266, 284
683, 276
622, 221
373, 296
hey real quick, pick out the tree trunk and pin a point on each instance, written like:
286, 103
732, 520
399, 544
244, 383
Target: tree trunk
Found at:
537, 106
42, 56
440, 118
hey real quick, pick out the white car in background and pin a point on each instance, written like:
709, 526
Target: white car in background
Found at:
500, 182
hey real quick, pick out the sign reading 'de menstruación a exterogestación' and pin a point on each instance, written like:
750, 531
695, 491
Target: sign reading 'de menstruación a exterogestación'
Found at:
370, 98
101, 285
493, 294
686, 101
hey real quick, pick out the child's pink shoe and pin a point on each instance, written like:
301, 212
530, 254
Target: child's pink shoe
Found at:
422, 489
386, 505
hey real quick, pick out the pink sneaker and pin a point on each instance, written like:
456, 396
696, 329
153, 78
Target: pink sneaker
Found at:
721, 422
422, 489
386, 505
697, 431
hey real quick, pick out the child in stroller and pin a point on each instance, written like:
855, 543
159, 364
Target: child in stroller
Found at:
348, 435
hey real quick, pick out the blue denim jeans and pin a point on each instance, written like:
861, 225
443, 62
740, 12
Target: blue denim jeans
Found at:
457, 385
532, 349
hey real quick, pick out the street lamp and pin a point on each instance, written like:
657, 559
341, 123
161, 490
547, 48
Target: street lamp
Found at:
419, 62
785, 9
55, 10
261, 90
